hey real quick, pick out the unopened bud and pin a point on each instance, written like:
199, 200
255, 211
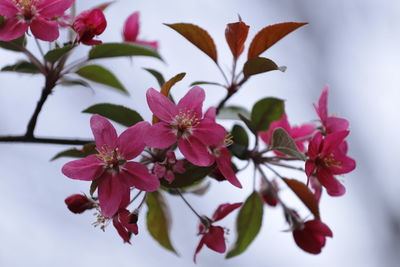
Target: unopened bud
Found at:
133, 217
79, 203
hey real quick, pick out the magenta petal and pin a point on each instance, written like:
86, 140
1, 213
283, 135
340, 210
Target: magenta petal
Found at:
211, 114
209, 132
44, 29
86, 169
104, 133
160, 105
302, 131
153, 44
225, 167
160, 135
310, 167
195, 151
316, 187
307, 241
332, 185
318, 227
215, 240
123, 216
332, 141
131, 142
123, 233
12, 29
110, 192
198, 248
314, 146
322, 109
334, 124
131, 28
347, 164
7, 8
224, 209
53, 8
193, 100
138, 176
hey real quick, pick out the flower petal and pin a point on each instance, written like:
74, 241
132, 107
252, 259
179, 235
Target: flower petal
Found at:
160, 105
347, 164
131, 28
198, 248
215, 240
131, 142
153, 44
193, 100
318, 227
334, 124
123, 216
209, 132
332, 142
44, 29
7, 8
224, 209
211, 114
307, 241
11, 29
195, 151
138, 176
322, 108
310, 167
53, 8
110, 191
123, 233
224, 164
314, 146
86, 169
160, 135
104, 133
332, 185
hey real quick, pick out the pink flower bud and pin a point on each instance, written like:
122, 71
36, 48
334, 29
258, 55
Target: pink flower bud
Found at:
78, 203
88, 24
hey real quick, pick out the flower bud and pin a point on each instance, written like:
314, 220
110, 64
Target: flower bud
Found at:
78, 203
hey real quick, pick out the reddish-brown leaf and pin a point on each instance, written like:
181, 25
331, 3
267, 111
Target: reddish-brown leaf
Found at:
197, 36
269, 35
305, 195
236, 35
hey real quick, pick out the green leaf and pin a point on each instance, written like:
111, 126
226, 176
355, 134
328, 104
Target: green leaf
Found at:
99, 74
107, 50
231, 113
159, 219
192, 175
305, 195
248, 123
73, 82
266, 111
248, 224
284, 143
258, 65
55, 54
157, 75
22, 67
16, 45
205, 82
240, 142
86, 150
117, 113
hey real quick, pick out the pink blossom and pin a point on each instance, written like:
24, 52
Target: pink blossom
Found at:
168, 167
88, 24
78, 203
38, 15
131, 31
296, 132
311, 236
111, 166
213, 236
331, 124
122, 220
184, 123
327, 157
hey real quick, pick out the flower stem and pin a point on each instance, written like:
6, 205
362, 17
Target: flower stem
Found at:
188, 204
27, 139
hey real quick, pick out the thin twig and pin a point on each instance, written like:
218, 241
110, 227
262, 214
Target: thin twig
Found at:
188, 204
27, 139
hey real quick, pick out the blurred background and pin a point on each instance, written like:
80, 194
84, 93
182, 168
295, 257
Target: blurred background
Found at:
350, 45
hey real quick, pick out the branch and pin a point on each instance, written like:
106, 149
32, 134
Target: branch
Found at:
27, 139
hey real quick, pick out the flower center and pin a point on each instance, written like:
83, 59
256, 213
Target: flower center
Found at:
27, 9
330, 161
101, 220
185, 121
112, 158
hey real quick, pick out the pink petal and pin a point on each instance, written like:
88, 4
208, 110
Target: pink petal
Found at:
334, 124
153, 44
195, 151
314, 146
332, 141
224, 209
224, 164
7, 8
307, 241
318, 227
160, 105
209, 132
123, 233
332, 185
104, 133
53, 8
302, 131
12, 29
86, 169
110, 191
316, 187
131, 142
160, 135
138, 176
44, 29
126, 198
193, 100
215, 240
123, 216
198, 248
322, 108
131, 28
211, 114
347, 164
310, 167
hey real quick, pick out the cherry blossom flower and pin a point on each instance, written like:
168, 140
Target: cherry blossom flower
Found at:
131, 31
213, 236
122, 220
327, 157
88, 24
296, 132
111, 167
311, 236
78, 203
168, 167
37, 15
184, 123
331, 124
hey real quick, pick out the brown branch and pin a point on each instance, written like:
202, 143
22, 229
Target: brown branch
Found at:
41, 140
